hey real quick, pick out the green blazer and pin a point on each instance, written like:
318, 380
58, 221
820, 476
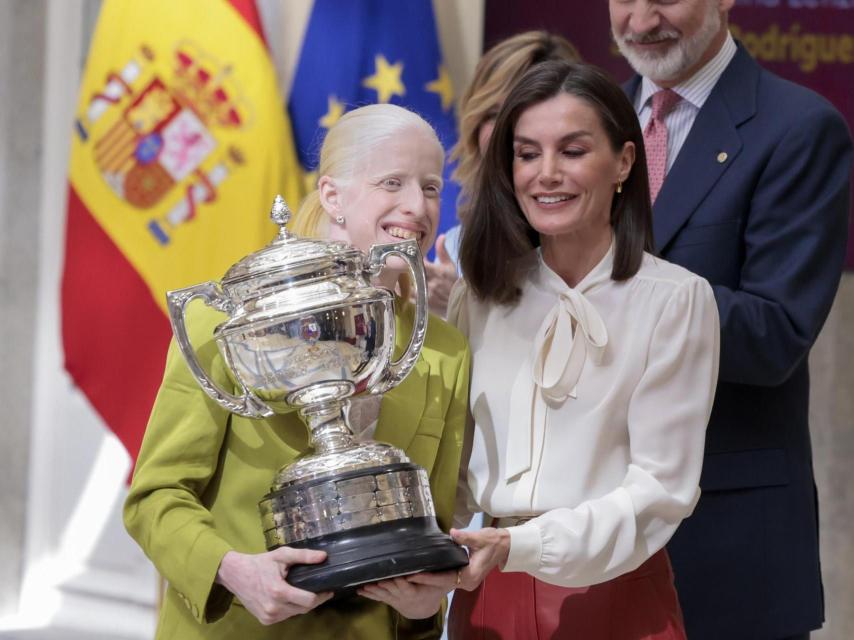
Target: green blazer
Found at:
201, 472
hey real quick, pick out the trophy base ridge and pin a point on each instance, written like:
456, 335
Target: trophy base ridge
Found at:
374, 553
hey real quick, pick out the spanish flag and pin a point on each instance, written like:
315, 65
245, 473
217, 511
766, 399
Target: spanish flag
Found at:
180, 144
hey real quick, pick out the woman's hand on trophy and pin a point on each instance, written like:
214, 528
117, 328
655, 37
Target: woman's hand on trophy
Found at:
487, 547
259, 581
415, 596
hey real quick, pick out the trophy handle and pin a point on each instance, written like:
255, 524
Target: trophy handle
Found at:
398, 369
246, 405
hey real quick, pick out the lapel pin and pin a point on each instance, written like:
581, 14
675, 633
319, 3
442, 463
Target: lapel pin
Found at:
722, 156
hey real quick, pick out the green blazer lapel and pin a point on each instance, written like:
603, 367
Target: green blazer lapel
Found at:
403, 406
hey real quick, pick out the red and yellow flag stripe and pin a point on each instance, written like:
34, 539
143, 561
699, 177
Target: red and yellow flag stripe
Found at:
181, 142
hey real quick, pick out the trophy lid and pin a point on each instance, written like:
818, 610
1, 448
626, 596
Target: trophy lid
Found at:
288, 255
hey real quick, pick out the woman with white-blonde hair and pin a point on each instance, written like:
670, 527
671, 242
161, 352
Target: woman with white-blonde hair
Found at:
201, 471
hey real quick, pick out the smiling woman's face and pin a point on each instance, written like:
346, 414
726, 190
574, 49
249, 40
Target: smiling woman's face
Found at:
565, 170
393, 194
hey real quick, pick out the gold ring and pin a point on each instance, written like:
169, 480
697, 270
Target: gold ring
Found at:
459, 577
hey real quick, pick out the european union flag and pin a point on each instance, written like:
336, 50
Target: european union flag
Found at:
358, 52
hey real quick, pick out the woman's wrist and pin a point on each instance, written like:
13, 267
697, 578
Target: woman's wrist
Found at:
503, 547
226, 568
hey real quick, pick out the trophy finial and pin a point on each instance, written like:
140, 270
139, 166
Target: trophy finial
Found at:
281, 215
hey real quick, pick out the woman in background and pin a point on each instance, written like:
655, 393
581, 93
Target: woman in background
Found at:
201, 471
496, 73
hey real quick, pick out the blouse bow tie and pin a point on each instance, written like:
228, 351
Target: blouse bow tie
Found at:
570, 331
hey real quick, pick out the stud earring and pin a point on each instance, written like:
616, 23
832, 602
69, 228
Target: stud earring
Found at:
339, 220
619, 186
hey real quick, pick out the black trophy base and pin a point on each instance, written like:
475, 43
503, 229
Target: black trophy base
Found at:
376, 552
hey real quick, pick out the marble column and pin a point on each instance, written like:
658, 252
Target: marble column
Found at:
22, 71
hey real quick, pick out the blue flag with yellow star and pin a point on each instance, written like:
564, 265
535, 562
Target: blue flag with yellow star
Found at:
358, 52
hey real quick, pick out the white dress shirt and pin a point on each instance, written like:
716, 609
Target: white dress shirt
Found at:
590, 407
694, 93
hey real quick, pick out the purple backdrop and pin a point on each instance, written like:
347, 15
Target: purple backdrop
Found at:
810, 42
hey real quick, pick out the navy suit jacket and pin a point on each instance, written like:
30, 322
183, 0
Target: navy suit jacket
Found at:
757, 203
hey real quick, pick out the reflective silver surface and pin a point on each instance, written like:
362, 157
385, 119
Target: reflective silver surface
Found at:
306, 326
357, 456
300, 512
348, 342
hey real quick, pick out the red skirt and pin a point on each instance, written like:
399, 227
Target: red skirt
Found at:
641, 605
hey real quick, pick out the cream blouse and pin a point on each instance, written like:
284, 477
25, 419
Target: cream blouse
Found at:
590, 406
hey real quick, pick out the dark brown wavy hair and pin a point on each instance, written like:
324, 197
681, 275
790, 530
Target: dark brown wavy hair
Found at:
497, 236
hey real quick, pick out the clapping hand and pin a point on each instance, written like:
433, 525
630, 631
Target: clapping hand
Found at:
441, 277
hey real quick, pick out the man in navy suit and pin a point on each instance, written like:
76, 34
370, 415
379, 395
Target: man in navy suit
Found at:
755, 199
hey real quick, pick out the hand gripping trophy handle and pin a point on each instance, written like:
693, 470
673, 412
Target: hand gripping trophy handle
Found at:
247, 404
393, 373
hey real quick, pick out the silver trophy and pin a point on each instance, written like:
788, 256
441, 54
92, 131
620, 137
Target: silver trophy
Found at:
307, 331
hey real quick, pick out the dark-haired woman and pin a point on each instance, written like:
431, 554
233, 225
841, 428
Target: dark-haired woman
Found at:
497, 71
594, 369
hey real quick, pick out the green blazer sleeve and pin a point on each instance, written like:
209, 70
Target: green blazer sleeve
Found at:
178, 458
443, 477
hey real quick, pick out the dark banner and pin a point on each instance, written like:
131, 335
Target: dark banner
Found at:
810, 42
